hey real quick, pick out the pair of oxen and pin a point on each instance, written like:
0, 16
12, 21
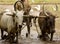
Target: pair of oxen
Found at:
12, 23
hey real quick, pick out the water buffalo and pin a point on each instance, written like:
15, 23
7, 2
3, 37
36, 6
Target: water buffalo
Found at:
26, 8
9, 22
46, 24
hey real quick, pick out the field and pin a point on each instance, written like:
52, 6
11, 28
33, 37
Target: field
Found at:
30, 1
51, 8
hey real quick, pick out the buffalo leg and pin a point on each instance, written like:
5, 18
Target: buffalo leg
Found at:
2, 34
51, 36
11, 37
17, 37
43, 35
28, 27
20, 30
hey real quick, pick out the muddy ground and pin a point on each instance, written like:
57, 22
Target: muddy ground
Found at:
33, 36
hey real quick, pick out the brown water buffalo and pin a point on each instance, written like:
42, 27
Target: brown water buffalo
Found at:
46, 24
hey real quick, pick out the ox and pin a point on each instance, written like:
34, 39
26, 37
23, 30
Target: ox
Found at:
9, 22
46, 24
26, 12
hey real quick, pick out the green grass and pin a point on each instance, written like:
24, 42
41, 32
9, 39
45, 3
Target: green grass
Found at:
7, 1
47, 1
35, 1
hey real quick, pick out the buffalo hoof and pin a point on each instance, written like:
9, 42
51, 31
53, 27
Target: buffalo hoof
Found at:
26, 34
51, 40
40, 36
14, 41
4, 37
44, 38
47, 37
